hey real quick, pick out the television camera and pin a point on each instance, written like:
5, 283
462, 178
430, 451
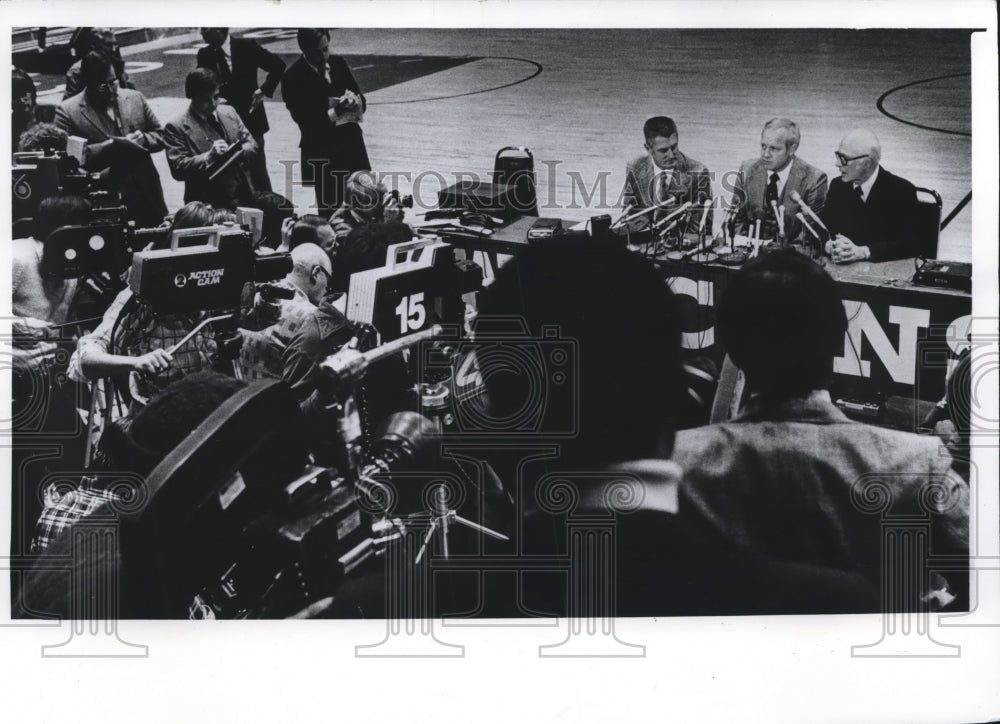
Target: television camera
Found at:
36, 175
236, 522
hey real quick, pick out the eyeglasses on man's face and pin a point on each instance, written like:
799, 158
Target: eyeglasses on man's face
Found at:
843, 160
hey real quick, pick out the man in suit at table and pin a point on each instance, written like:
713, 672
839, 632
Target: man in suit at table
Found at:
199, 137
235, 62
872, 212
775, 176
121, 132
666, 176
332, 144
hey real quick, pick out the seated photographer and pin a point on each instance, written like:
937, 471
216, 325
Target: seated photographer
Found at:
309, 229
261, 353
40, 300
37, 295
132, 341
326, 330
199, 140
122, 132
134, 444
43, 137
786, 475
366, 201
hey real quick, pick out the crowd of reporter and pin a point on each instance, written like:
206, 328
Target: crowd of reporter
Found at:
753, 515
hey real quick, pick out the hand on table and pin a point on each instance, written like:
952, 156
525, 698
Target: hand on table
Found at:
845, 251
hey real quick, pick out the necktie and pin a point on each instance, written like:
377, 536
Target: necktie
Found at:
224, 71
663, 187
214, 122
857, 194
772, 192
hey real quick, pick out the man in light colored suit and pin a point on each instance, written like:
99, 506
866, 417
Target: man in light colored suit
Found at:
776, 174
199, 138
121, 131
666, 176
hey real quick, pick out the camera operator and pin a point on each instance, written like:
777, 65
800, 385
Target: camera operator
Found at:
40, 300
43, 137
135, 444
136, 448
38, 297
309, 229
366, 201
326, 330
122, 132
261, 353
132, 340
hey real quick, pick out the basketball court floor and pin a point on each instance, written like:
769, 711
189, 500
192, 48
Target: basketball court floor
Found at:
441, 102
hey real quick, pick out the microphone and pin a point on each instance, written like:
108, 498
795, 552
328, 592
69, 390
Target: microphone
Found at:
682, 210
625, 212
704, 216
808, 228
638, 214
797, 198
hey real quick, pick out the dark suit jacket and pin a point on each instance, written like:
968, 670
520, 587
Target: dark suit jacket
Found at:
886, 223
189, 139
751, 187
690, 182
247, 57
307, 97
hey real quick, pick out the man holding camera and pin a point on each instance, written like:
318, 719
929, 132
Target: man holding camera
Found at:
261, 353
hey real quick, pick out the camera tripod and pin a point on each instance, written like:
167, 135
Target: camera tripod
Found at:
441, 519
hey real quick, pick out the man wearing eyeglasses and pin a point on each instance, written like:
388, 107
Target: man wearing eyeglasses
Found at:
121, 132
872, 212
261, 353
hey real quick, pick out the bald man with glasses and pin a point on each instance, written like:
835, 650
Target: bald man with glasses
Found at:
872, 212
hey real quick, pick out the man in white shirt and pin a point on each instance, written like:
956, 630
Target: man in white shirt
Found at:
774, 176
666, 176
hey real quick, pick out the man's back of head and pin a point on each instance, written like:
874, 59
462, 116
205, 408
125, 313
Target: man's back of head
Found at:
782, 321
614, 398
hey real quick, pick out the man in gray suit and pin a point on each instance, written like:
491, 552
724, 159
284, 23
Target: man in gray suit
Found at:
122, 132
198, 140
666, 176
775, 175
791, 477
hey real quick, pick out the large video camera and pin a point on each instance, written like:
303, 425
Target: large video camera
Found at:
37, 175
421, 284
236, 523
205, 269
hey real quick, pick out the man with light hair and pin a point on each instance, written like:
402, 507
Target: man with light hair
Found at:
773, 178
872, 212
262, 351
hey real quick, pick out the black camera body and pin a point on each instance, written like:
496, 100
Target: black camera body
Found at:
207, 277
